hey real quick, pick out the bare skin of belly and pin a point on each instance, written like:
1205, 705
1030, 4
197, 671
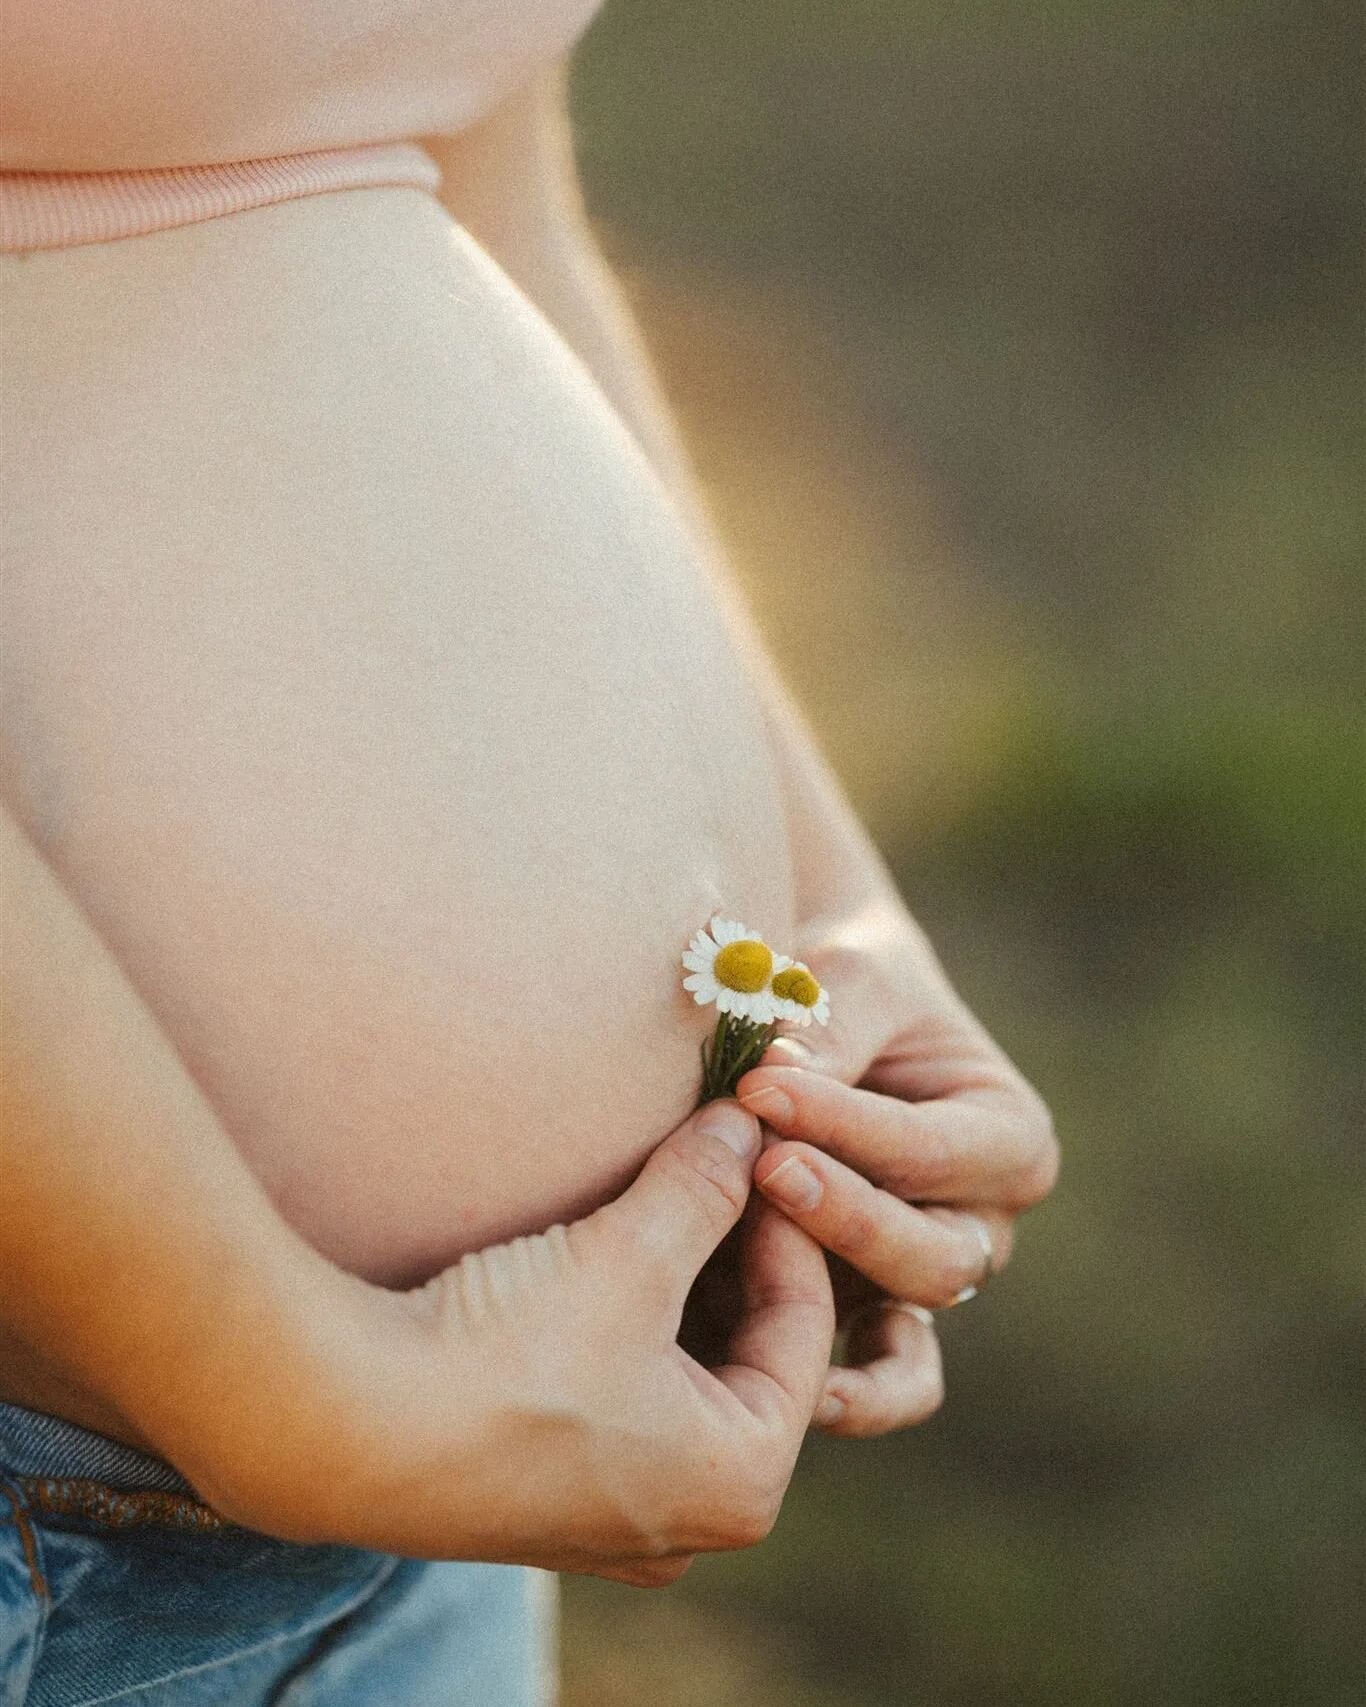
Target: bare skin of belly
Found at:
363, 686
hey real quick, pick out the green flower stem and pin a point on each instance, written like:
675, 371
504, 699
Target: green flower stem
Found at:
736, 1046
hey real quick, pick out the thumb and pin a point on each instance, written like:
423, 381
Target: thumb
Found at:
690, 1193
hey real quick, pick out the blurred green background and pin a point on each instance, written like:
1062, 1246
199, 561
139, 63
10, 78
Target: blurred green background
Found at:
1019, 349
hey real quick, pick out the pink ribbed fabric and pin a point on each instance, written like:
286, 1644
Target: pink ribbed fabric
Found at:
123, 117
54, 210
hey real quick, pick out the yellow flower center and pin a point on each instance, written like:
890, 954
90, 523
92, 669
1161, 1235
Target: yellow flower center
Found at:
744, 966
797, 985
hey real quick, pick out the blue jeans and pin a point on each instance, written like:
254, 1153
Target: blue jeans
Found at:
118, 1584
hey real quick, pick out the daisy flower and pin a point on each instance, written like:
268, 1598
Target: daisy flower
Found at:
753, 990
733, 968
797, 996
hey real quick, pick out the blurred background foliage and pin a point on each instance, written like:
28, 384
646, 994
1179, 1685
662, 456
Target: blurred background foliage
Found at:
1018, 346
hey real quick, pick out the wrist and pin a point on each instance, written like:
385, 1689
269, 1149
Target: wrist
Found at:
372, 1429
276, 1416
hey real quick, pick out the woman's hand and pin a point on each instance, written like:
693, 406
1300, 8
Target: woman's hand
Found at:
530, 1404
543, 1412
907, 1144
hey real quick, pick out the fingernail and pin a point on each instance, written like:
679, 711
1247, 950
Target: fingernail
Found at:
727, 1121
790, 1051
830, 1410
967, 1293
794, 1184
982, 1234
769, 1103
919, 1311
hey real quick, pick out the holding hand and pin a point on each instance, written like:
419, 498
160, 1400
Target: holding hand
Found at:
908, 1143
542, 1412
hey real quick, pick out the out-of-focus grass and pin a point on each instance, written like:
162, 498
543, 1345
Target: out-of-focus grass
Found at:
1019, 348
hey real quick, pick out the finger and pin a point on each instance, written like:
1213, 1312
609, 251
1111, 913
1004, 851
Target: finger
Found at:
899, 1384
971, 1148
863, 994
780, 1349
904, 1251
995, 1229
647, 1573
639, 1570
684, 1201
868, 982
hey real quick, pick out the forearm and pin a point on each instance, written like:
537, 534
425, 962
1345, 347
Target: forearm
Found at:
140, 1262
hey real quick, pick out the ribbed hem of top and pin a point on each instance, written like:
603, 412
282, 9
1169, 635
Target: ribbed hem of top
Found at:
59, 210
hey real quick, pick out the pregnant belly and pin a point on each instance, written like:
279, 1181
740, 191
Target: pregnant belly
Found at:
361, 683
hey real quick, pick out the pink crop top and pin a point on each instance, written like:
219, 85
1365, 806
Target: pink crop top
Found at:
120, 117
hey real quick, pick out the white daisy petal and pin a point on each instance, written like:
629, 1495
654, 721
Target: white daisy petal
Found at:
761, 1007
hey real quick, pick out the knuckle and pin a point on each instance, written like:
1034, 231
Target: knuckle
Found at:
928, 1165
743, 1516
856, 1234
753, 1521
721, 1176
834, 1120
711, 1175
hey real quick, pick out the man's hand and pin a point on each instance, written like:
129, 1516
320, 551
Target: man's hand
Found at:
907, 1144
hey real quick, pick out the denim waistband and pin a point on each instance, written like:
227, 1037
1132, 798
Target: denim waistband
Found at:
32, 1443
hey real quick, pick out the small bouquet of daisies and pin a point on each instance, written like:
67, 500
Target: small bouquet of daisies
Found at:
754, 991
